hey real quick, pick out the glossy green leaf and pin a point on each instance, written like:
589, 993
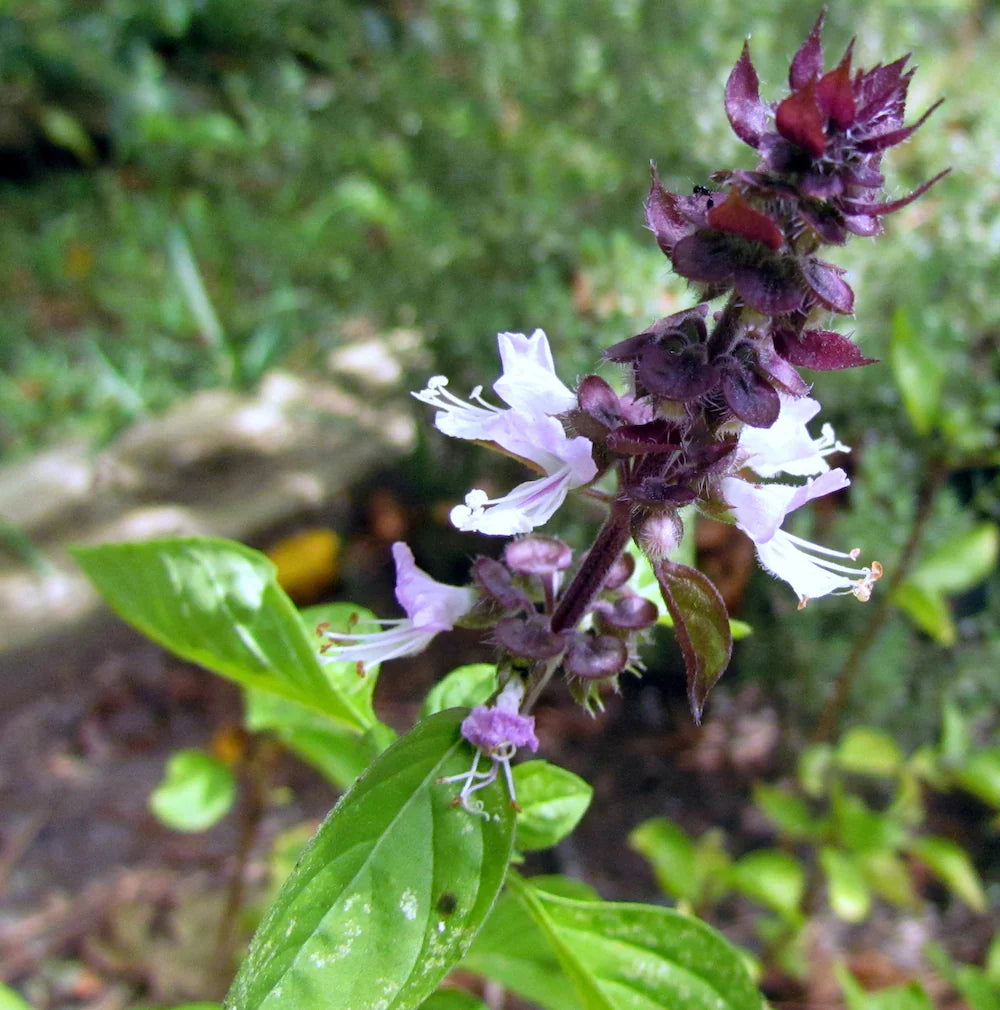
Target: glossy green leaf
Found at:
463, 687
960, 562
552, 801
775, 879
701, 624
511, 950
928, 609
453, 999
390, 892
338, 752
910, 996
918, 371
866, 751
846, 887
951, 864
11, 1000
217, 603
621, 956
980, 775
786, 810
197, 791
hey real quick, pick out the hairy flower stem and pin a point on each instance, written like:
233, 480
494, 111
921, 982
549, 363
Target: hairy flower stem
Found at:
590, 578
937, 473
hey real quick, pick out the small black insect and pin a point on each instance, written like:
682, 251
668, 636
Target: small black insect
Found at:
705, 191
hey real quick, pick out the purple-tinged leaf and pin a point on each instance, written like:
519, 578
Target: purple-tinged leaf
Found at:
823, 350
595, 657
599, 401
705, 257
750, 396
772, 288
863, 224
747, 113
529, 637
701, 625
737, 217
663, 215
631, 612
825, 219
858, 207
883, 90
781, 371
661, 491
676, 376
834, 93
654, 436
830, 288
800, 120
890, 138
807, 64
496, 581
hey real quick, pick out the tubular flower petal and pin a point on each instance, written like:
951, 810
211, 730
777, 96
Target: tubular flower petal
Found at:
787, 446
496, 731
760, 509
528, 430
431, 607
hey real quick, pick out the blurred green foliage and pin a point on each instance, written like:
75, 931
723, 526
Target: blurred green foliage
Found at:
198, 190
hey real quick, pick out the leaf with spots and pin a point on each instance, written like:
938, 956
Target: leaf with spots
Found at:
390, 892
620, 956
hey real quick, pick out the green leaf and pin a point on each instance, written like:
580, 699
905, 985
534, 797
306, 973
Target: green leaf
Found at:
959, 562
910, 996
685, 869
343, 677
918, 372
813, 769
639, 957
465, 687
217, 603
339, 752
673, 855
956, 737
847, 889
701, 625
11, 1000
866, 751
336, 751
859, 828
786, 810
197, 791
951, 864
552, 801
453, 999
928, 609
889, 876
775, 879
511, 950
390, 892
980, 775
